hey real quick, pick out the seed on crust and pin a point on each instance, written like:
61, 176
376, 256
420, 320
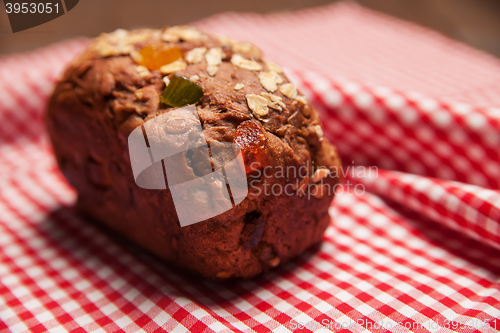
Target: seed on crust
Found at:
139, 95
241, 62
214, 56
196, 55
194, 78
143, 71
245, 47
211, 70
166, 80
136, 56
292, 116
304, 107
239, 47
319, 130
301, 99
319, 174
289, 90
239, 86
257, 104
175, 66
270, 80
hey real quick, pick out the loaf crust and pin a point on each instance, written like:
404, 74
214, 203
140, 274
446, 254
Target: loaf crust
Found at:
104, 95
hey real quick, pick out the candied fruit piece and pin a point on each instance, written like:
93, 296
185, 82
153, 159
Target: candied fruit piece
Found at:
155, 56
250, 138
181, 91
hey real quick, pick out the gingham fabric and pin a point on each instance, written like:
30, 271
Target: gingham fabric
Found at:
418, 251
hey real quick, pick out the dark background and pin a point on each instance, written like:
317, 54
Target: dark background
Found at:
476, 22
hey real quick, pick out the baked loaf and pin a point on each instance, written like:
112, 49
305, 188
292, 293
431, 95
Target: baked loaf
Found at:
111, 89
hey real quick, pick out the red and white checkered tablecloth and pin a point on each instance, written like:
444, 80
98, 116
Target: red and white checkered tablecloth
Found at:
418, 251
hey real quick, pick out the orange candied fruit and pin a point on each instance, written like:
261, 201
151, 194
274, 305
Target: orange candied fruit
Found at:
155, 56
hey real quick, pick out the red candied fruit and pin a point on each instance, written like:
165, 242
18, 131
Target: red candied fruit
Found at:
250, 138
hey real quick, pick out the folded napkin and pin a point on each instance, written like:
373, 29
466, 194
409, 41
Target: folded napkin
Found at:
414, 243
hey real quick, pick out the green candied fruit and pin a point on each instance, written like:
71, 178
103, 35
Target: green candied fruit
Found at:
181, 91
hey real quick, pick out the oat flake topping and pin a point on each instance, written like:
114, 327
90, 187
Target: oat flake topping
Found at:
273, 101
241, 62
289, 90
214, 58
143, 71
257, 104
177, 33
274, 67
270, 80
175, 66
196, 55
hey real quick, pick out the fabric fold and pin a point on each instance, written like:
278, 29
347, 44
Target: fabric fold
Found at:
471, 210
